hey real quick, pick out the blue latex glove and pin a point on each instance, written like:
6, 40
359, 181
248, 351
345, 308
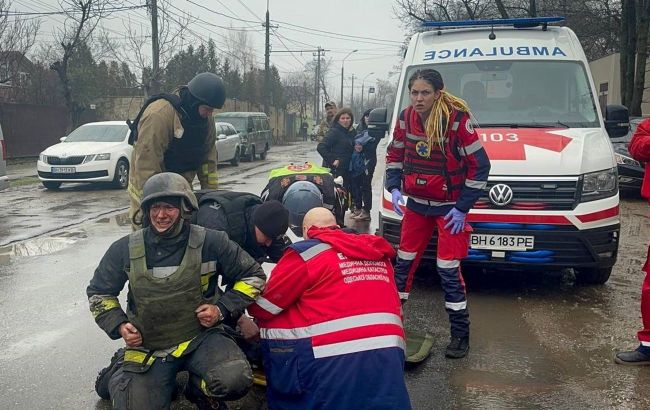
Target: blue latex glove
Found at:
456, 221
398, 200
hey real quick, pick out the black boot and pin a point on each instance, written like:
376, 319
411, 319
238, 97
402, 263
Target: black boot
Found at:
202, 402
104, 376
457, 347
633, 358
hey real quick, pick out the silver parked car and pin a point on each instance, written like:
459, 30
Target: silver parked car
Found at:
4, 179
228, 143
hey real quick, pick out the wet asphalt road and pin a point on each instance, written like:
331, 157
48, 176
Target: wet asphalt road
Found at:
538, 340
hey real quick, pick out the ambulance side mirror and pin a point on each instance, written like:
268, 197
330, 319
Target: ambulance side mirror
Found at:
617, 120
378, 123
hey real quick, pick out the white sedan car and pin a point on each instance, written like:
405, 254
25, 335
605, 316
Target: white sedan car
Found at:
94, 152
228, 143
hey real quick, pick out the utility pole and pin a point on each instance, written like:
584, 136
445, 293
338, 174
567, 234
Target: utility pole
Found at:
352, 96
267, 54
319, 52
155, 50
303, 109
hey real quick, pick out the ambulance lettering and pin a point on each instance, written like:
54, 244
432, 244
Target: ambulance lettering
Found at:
506, 145
494, 52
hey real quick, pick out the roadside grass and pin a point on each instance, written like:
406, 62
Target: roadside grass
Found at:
24, 181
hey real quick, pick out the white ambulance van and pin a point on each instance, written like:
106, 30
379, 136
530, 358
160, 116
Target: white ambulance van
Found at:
552, 197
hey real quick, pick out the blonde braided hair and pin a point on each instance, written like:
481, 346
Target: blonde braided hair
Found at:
437, 124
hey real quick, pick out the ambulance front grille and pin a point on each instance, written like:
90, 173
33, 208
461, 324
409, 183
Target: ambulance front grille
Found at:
535, 195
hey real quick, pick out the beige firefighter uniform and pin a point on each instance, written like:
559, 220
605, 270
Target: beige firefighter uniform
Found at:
159, 124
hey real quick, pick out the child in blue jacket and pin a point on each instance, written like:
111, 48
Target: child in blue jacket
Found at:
359, 173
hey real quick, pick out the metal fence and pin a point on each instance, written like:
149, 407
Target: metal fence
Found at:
28, 128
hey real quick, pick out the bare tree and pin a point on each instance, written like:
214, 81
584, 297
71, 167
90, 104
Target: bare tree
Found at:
135, 47
239, 45
82, 18
502, 9
596, 22
643, 23
299, 91
17, 37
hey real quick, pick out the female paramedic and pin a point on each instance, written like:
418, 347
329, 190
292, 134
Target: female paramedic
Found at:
439, 162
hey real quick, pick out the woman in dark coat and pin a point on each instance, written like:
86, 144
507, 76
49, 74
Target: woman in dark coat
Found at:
337, 146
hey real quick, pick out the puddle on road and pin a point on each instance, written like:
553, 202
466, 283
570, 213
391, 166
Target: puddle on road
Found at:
119, 220
40, 246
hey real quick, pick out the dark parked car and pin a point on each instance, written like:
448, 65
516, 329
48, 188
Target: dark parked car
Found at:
4, 179
630, 171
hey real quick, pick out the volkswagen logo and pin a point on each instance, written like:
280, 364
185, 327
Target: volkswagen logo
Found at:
501, 195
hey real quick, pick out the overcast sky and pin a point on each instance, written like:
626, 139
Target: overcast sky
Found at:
340, 26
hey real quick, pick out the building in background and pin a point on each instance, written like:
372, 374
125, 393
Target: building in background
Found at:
606, 73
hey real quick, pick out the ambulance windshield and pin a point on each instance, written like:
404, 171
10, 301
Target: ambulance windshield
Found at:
520, 93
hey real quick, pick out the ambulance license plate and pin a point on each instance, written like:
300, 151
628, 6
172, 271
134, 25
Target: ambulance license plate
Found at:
501, 242
63, 170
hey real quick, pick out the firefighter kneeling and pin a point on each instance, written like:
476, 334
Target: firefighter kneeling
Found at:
174, 316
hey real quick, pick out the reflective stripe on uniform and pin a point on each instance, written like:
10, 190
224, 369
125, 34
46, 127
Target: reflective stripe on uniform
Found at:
102, 303
398, 144
269, 306
213, 179
470, 183
248, 287
314, 250
331, 326
407, 256
205, 169
471, 148
134, 192
205, 281
137, 356
359, 345
394, 165
456, 306
178, 352
414, 137
432, 203
441, 263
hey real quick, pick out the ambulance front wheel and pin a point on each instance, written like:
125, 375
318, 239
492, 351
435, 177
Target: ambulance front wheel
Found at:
593, 276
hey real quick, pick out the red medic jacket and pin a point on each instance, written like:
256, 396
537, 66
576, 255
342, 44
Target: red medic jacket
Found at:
431, 177
639, 148
337, 290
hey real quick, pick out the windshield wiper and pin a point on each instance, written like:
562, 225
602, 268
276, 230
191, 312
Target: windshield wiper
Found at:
525, 125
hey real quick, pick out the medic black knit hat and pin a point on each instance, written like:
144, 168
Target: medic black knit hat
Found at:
272, 218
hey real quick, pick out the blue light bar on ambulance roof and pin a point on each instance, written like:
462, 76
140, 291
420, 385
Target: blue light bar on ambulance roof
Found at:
517, 23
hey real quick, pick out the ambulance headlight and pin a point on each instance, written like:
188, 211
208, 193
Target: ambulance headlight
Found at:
599, 185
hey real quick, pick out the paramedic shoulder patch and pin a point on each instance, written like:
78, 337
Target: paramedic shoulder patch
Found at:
469, 127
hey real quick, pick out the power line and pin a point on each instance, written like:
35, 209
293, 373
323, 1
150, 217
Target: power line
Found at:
249, 10
334, 36
338, 34
216, 25
222, 14
63, 12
